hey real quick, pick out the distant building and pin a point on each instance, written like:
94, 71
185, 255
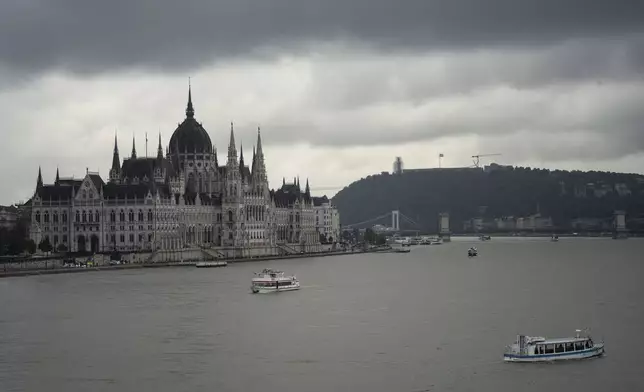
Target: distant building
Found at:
327, 218
496, 167
622, 189
8, 217
506, 223
398, 165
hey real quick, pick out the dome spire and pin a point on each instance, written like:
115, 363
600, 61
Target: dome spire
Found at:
190, 111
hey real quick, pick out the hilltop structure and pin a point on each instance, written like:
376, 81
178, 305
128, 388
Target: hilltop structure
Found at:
183, 198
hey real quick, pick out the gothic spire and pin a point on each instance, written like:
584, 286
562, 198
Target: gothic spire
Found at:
252, 165
133, 148
116, 160
190, 111
57, 176
307, 190
241, 156
260, 153
160, 148
232, 150
39, 181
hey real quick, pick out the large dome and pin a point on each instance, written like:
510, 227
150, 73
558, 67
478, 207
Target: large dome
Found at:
190, 136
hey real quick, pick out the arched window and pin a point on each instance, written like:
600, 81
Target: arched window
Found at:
77, 216
84, 216
150, 216
38, 216
64, 216
112, 216
46, 216
97, 217
230, 216
122, 216
131, 216
55, 216
141, 215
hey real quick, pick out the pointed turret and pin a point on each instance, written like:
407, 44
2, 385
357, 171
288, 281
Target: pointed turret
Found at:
159, 148
283, 181
133, 148
232, 150
115, 171
39, 181
116, 161
241, 155
216, 160
57, 176
190, 111
307, 190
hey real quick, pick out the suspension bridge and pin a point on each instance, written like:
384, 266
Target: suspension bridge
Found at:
392, 221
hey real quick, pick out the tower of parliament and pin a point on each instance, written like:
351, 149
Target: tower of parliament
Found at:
181, 198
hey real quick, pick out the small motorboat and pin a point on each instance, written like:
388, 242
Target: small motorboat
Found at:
539, 349
471, 252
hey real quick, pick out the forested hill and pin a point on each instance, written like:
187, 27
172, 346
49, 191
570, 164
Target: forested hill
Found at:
502, 191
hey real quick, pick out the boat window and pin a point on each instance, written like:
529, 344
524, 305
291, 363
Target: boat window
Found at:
570, 347
579, 345
550, 348
539, 349
559, 348
589, 343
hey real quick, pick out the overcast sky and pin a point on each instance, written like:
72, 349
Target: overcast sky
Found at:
339, 87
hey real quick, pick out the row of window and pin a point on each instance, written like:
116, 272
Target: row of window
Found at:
562, 348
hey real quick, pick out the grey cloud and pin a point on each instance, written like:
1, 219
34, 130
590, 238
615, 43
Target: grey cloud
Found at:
97, 36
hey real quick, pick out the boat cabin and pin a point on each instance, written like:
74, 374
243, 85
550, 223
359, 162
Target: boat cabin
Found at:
563, 346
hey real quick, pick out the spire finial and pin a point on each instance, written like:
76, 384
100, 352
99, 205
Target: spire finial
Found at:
39, 181
260, 153
190, 111
133, 148
160, 148
232, 149
57, 175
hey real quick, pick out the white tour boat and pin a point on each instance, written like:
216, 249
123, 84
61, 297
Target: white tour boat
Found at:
269, 281
539, 349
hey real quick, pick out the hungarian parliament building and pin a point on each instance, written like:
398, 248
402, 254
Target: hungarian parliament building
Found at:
183, 198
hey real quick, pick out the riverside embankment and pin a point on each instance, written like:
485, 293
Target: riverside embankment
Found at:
24, 270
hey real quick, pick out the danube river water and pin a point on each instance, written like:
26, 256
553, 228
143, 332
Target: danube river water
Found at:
429, 320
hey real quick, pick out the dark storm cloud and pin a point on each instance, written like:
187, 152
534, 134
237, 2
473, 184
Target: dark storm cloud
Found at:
96, 36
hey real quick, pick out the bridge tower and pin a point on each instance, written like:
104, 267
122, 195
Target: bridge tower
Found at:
619, 224
395, 220
443, 226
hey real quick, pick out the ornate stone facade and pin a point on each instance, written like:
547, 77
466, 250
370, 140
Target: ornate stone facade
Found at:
177, 200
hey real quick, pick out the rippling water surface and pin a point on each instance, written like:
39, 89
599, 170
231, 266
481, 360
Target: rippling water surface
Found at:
430, 320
